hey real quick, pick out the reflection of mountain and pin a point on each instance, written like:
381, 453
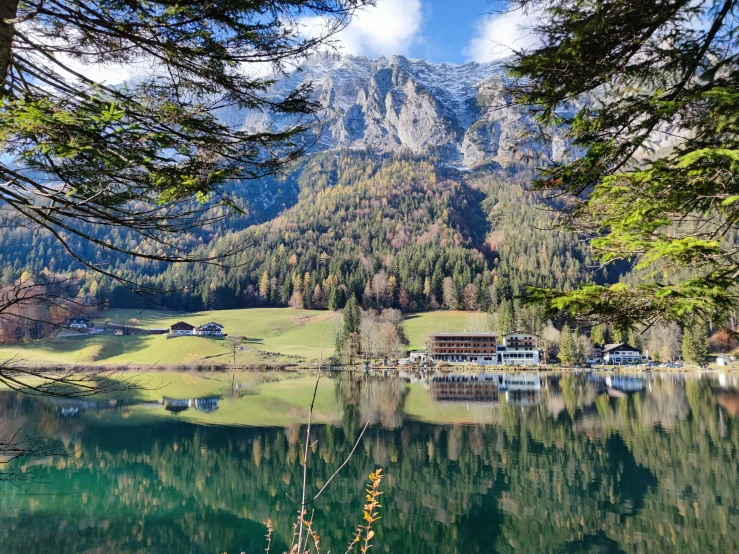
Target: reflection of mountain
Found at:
654, 472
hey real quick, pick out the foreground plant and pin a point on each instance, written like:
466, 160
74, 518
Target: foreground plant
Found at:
365, 532
647, 94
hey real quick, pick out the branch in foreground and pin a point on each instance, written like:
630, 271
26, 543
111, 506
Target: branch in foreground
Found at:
74, 382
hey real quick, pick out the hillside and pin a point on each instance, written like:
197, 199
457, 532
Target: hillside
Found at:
279, 335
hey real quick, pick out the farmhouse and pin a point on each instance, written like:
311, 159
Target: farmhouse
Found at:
80, 322
180, 329
621, 354
210, 330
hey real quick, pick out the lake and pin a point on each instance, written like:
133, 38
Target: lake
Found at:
487, 463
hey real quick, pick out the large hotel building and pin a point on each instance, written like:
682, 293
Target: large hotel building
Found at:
483, 349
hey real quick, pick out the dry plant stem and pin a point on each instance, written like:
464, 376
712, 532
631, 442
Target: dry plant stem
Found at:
269, 535
305, 463
359, 438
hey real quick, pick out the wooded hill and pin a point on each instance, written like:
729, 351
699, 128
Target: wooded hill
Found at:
397, 230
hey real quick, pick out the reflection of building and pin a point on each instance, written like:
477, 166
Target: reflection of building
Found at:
181, 329
522, 389
464, 388
209, 404
625, 383
621, 354
210, 330
175, 405
523, 397
522, 381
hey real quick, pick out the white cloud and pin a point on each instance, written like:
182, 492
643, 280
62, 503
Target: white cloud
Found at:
498, 35
388, 28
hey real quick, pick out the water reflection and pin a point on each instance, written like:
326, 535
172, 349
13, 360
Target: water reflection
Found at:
560, 465
206, 405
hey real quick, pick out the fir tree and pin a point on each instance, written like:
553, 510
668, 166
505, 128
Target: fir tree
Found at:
567, 348
598, 335
505, 320
615, 75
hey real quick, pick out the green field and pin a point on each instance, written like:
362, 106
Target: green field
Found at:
281, 335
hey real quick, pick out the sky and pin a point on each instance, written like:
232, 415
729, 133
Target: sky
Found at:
454, 31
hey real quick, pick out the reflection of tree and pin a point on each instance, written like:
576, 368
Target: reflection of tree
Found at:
654, 472
376, 400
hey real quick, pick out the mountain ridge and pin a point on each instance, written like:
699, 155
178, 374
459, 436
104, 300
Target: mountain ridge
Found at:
460, 113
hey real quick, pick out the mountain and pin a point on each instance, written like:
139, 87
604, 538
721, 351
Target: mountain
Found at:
413, 197
457, 112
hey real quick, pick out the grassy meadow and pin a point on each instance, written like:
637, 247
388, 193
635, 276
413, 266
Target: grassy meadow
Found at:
281, 335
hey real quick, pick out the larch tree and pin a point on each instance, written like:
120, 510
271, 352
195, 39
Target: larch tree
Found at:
644, 95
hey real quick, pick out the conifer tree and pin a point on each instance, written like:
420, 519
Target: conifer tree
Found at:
567, 349
505, 320
688, 347
598, 335
618, 79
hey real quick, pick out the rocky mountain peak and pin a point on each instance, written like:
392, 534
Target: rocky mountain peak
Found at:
388, 104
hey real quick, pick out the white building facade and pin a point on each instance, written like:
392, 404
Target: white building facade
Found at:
519, 348
210, 330
621, 354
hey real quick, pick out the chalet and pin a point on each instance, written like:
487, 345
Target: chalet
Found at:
180, 329
519, 349
210, 330
621, 354
80, 322
118, 332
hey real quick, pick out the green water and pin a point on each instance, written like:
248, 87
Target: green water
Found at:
567, 465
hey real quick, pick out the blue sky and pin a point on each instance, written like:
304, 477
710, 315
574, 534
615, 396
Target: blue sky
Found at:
454, 31
437, 30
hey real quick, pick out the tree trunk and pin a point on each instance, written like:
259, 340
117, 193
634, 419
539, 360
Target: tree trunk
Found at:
8, 12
